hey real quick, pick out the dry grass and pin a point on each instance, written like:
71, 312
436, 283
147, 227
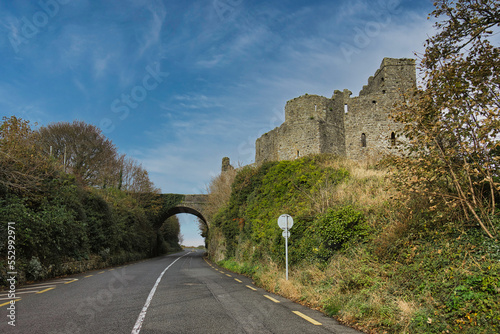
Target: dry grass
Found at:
406, 309
366, 187
300, 287
219, 192
352, 283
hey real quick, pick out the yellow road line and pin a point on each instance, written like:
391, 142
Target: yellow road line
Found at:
228, 275
311, 320
102, 272
88, 276
271, 298
45, 290
111, 269
15, 300
71, 281
237, 280
248, 286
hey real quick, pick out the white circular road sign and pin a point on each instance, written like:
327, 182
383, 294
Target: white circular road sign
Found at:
286, 234
285, 222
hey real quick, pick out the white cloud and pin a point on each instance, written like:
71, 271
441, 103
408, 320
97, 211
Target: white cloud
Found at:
175, 167
101, 64
192, 101
210, 62
230, 77
152, 36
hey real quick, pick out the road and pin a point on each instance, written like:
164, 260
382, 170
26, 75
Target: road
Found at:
178, 293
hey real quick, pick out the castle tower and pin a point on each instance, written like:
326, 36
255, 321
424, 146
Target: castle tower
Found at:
393, 76
369, 131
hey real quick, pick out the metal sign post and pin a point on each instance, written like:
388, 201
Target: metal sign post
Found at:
286, 252
285, 222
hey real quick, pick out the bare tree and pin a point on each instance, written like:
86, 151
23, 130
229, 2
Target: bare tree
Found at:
83, 150
219, 192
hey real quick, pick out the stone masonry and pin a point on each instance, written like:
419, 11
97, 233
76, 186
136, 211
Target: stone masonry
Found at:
355, 127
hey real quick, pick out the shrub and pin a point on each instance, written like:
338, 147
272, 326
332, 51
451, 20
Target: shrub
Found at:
336, 228
35, 269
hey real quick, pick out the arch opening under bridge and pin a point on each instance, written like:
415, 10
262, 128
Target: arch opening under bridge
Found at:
174, 204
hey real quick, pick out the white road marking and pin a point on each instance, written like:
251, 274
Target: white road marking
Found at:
5, 297
142, 315
36, 287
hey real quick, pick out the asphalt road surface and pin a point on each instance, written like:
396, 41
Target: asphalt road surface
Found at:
178, 293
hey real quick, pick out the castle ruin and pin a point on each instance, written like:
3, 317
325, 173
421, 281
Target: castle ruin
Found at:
354, 127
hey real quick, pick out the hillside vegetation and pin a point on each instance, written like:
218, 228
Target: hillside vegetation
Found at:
76, 215
406, 246
360, 249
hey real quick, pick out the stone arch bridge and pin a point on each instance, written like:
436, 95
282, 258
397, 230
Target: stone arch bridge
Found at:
172, 204
192, 204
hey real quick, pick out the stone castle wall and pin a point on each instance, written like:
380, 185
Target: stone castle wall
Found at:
355, 127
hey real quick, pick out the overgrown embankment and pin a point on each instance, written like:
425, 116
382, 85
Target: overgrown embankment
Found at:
358, 250
69, 229
58, 219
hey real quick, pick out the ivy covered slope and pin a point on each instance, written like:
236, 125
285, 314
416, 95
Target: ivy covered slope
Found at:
360, 249
260, 195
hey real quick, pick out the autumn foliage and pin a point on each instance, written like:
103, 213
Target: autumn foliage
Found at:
452, 122
76, 202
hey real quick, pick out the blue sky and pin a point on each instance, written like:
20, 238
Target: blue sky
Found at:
178, 85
